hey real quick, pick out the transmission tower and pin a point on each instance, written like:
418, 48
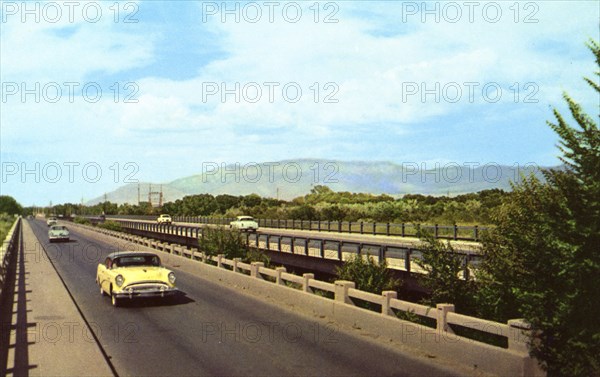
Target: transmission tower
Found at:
155, 194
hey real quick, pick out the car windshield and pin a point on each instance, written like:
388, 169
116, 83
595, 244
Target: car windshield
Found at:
137, 260
59, 228
246, 218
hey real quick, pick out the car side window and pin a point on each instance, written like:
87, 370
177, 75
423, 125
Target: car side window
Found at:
107, 263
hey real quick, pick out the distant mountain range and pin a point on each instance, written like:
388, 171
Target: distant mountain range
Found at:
292, 178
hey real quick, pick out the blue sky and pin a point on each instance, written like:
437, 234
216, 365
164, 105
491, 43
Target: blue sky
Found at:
379, 81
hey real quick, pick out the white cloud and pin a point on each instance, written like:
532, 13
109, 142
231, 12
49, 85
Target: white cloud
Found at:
58, 47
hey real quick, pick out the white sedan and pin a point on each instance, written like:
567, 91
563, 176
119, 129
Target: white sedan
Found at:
244, 223
58, 233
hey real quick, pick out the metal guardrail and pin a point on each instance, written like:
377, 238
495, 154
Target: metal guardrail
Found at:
317, 247
449, 232
7, 252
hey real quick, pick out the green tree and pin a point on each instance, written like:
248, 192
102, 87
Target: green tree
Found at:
542, 259
9, 205
444, 269
304, 212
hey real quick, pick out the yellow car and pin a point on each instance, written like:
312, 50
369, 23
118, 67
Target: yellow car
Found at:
132, 274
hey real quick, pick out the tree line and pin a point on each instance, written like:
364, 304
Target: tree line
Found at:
321, 203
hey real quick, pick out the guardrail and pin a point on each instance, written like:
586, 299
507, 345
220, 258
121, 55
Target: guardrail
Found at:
7, 253
443, 321
449, 232
403, 258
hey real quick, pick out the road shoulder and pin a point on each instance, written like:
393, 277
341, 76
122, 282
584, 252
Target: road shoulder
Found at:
49, 335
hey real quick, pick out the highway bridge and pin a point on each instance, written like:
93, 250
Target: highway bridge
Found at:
55, 322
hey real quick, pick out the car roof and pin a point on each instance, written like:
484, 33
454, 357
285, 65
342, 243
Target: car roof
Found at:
118, 254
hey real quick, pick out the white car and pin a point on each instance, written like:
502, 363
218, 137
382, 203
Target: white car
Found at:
244, 223
58, 233
164, 219
51, 221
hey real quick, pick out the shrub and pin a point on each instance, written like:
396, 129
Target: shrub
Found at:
230, 243
111, 225
82, 220
368, 275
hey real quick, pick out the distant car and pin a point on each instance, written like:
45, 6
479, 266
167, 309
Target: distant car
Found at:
244, 223
51, 221
58, 233
131, 274
164, 219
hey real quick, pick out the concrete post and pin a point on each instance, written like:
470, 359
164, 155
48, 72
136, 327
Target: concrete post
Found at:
386, 309
278, 279
518, 335
254, 269
442, 323
220, 260
172, 248
235, 263
341, 291
306, 278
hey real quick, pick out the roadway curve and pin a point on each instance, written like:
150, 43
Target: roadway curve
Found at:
213, 329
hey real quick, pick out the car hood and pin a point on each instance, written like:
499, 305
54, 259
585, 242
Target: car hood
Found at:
143, 273
59, 232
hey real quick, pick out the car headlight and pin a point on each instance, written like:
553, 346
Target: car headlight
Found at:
171, 278
119, 280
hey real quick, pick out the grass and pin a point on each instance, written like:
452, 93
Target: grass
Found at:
6, 223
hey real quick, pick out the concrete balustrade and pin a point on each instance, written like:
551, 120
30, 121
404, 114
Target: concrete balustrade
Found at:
341, 291
442, 320
387, 296
519, 333
235, 264
255, 269
306, 282
278, 279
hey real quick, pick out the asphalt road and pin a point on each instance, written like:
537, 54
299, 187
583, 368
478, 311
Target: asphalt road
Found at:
213, 330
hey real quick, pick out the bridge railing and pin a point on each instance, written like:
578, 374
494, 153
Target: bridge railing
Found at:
515, 332
449, 232
403, 258
8, 251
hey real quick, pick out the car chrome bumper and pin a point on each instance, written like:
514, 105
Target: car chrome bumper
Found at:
146, 293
